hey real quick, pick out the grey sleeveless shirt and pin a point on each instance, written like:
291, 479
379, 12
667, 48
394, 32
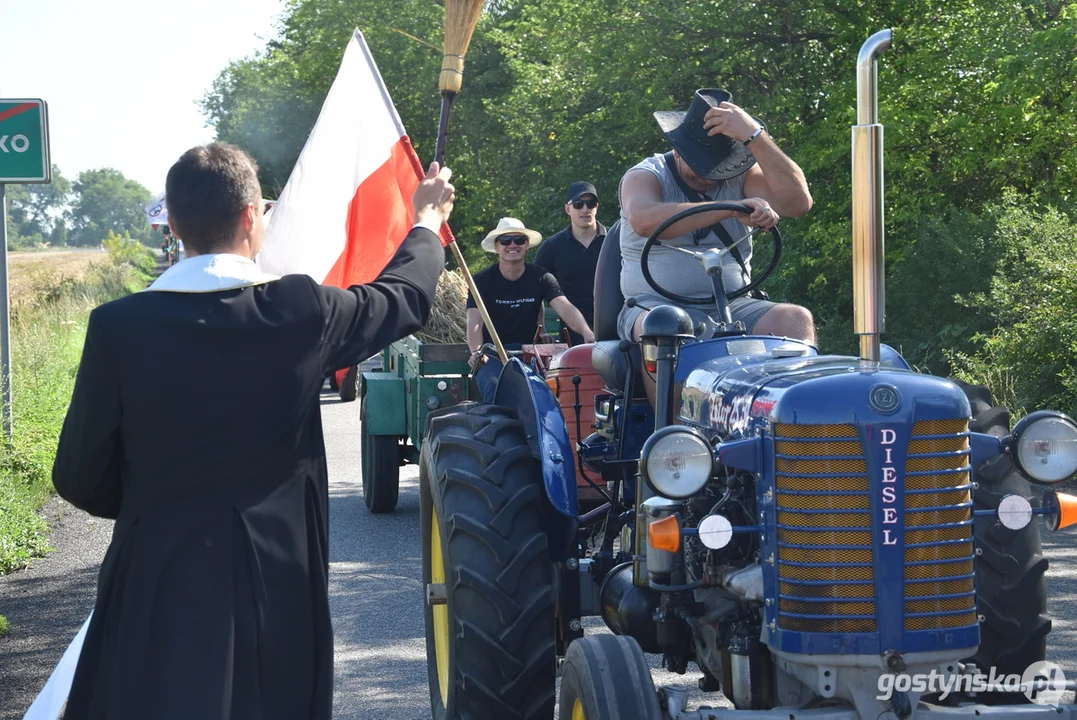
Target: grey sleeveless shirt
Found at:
673, 270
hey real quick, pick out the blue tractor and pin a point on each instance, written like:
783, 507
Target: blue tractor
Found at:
820, 536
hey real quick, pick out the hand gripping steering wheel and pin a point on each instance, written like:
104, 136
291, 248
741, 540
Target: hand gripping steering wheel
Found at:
711, 258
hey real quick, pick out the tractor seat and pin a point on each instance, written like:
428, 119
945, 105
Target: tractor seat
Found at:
607, 359
611, 365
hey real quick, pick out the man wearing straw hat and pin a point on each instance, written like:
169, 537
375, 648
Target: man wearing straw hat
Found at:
213, 597
513, 292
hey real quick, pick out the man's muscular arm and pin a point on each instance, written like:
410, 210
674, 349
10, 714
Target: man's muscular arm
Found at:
641, 198
775, 177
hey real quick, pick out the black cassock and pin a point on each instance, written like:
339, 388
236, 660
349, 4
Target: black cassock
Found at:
195, 423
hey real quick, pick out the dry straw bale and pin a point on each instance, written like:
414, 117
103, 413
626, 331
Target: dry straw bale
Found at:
448, 321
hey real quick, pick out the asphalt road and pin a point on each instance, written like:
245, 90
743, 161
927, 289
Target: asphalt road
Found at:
375, 591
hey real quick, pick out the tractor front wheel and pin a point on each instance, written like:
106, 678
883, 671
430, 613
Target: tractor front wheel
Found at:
487, 573
1011, 591
380, 458
606, 677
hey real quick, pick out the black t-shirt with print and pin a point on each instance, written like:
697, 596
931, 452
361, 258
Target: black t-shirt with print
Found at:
514, 304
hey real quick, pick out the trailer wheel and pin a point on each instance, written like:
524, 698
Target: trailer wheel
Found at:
380, 456
487, 573
349, 386
1011, 590
606, 677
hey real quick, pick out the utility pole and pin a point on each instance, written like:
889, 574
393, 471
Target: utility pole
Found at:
24, 158
5, 321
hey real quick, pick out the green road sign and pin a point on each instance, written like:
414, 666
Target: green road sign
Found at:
24, 142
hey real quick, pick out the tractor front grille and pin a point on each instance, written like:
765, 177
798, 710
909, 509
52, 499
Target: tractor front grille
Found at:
826, 571
825, 556
940, 590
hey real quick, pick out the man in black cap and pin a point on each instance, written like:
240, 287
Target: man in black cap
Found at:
720, 153
571, 255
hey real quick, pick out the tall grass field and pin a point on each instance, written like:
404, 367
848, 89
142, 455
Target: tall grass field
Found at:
48, 327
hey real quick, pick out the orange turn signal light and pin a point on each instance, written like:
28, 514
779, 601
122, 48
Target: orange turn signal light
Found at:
554, 385
1061, 510
665, 534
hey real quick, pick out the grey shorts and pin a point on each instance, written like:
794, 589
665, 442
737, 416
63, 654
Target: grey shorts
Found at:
747, 310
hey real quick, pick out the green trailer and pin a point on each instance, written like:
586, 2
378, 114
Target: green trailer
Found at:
415, 378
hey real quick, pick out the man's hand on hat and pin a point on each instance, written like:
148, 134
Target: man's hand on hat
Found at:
729, 120
763, 214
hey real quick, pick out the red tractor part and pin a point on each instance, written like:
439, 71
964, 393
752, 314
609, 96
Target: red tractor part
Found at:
572, 362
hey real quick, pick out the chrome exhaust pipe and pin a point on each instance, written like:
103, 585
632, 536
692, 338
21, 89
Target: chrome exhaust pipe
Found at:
869, 291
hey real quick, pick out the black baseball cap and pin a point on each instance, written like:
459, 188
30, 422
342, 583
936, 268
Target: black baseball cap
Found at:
576, 189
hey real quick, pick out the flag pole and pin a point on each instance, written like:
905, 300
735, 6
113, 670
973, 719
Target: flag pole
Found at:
461, 17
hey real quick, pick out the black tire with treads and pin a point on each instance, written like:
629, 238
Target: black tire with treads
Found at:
349, 386
609, 676
476, 472
380, 467
1011, 590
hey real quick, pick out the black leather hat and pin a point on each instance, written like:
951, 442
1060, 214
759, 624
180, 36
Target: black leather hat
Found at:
714, 157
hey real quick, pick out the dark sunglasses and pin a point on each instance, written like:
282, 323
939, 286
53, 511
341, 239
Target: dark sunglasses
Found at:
591, 204
507, 240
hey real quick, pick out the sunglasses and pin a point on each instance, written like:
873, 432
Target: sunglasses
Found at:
507, 240
591, 204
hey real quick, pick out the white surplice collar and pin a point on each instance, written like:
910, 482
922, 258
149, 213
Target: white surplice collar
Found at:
211, 273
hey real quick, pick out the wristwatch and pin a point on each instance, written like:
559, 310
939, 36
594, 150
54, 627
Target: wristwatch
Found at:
754, 135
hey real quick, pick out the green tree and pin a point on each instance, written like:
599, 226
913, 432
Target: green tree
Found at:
34, 210
1028, 357
105, 200
976, 96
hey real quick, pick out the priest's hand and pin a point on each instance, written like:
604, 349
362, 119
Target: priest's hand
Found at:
433, 199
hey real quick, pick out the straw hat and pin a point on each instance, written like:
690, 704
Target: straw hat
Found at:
509, 226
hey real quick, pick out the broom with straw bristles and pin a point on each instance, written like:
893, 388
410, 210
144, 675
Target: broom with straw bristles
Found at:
461, 17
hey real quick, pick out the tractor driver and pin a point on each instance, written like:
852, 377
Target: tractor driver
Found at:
710, 161
513, 291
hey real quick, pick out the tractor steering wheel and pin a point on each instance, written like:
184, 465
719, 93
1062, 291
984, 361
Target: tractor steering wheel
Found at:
701, 256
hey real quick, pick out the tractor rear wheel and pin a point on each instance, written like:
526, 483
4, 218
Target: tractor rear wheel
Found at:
606, 677
1011, 590
487, 573
380, 460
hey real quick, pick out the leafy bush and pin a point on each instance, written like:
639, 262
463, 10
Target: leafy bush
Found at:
1029, 360
122, 250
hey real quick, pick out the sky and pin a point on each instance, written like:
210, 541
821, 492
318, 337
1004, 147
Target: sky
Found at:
123, 78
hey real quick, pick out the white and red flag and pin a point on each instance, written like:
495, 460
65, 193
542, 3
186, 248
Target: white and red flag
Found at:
347, 205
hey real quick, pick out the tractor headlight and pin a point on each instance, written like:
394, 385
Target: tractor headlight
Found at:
1044, 446
677, 462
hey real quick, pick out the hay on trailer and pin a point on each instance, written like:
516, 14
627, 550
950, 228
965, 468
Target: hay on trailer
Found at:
448, 321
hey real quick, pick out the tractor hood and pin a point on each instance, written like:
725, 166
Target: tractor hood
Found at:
732, 397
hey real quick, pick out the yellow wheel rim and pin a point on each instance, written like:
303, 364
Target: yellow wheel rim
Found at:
577, 710
441, 612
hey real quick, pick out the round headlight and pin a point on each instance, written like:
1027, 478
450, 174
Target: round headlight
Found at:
1044, 446
676, 462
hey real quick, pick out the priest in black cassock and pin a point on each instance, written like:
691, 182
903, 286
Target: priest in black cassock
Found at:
213, 599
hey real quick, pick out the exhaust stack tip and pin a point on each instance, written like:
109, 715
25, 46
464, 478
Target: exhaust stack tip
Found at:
869, 295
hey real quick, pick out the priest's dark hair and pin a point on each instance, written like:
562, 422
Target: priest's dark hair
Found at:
207, 190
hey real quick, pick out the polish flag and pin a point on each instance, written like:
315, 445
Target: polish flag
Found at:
347, 205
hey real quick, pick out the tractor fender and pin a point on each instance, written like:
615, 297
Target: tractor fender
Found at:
534, 403
383, 394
